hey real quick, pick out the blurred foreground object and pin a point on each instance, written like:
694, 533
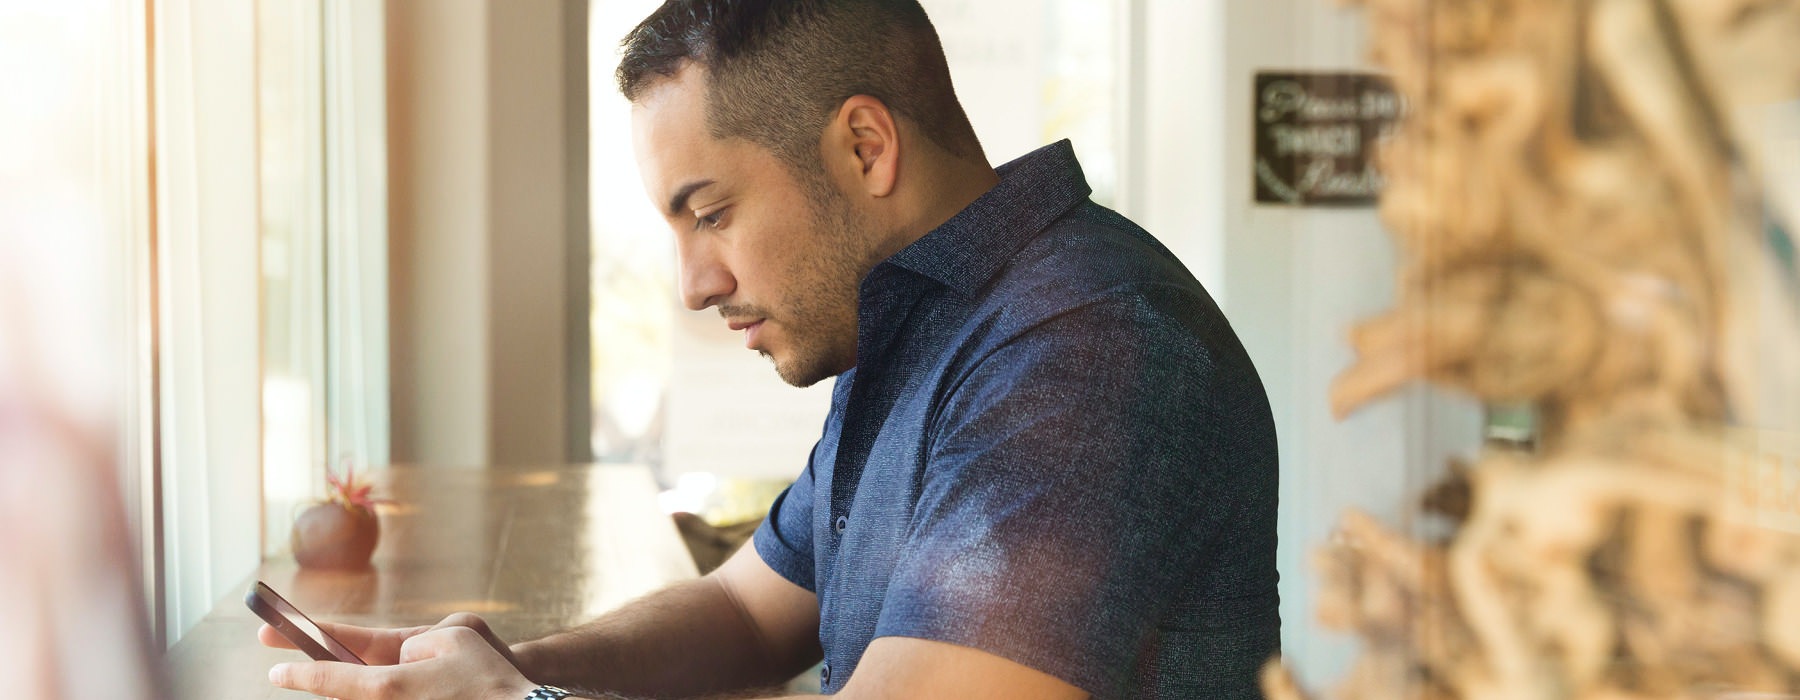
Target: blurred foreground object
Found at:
72, 614
1585, 197
74, 619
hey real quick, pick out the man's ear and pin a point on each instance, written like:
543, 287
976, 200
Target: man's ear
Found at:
868, 140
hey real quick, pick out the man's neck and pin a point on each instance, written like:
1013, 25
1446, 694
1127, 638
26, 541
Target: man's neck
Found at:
949, 186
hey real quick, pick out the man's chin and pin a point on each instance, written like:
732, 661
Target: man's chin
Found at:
799, 372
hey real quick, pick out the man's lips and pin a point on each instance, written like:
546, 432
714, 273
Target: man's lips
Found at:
750, 328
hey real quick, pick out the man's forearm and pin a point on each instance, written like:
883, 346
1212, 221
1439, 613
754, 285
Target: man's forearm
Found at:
689, 639
771, 694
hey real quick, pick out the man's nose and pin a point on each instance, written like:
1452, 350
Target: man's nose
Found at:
704, 280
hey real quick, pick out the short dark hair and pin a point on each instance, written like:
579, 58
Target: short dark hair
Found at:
779, 69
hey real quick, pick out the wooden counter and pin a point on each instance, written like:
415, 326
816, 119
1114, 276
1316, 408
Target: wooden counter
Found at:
532, 550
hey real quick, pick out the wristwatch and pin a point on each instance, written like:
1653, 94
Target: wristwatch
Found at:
547, 692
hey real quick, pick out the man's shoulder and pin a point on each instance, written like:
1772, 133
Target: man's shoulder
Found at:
1093, 258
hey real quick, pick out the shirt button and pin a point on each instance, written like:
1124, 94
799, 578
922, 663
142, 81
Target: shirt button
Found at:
825, 676
843, 522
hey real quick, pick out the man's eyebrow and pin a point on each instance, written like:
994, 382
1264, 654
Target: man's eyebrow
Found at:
678, 203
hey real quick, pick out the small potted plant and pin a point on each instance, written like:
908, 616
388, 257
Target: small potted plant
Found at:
341, 532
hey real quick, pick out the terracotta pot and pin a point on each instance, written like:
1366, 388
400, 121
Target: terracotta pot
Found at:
333, 536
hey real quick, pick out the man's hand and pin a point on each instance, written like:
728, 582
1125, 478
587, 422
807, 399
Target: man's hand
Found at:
457, 659
381, 647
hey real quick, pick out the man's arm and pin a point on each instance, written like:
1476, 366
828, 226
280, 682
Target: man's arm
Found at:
742, 626
757, 629
903, 667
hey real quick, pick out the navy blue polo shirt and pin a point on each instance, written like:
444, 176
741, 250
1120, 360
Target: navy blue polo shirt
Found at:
1052, 448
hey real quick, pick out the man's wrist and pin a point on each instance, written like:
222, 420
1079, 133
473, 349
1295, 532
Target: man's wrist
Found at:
525, 657
563, 659
530, 658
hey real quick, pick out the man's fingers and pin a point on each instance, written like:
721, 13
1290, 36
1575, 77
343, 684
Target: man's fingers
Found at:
453, 662
420, 646
440, 641
480, 626
375, 646
270, 638
335, 680
384, 647
464, 619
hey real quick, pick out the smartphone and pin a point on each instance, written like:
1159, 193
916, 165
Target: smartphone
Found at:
291, 623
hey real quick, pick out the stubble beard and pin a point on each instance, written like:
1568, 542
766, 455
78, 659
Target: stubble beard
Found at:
822, 338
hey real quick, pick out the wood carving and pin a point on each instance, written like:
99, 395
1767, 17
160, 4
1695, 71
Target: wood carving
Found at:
1579, 195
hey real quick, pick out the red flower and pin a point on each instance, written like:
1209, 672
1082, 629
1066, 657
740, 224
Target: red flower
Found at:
348, 491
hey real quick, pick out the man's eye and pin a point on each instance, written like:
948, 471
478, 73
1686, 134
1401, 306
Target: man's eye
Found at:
710, 220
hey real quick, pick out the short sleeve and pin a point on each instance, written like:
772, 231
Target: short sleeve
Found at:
1077, 474
785, 538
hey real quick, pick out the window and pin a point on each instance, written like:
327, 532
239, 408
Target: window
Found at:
323, 247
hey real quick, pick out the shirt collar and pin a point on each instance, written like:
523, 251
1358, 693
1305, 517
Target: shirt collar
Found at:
968, 250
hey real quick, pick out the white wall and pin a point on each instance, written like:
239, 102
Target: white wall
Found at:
478, 282
437, 227
996, 53
527, 192
1182, 178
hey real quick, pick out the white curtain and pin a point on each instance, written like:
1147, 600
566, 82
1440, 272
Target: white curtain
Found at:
207, 313
292, 230
357, 241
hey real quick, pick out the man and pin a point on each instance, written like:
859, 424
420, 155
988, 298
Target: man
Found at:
1049, 468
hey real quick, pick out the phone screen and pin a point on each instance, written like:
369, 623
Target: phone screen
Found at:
296, 626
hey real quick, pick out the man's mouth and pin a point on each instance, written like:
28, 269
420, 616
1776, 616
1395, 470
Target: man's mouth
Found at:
749, 328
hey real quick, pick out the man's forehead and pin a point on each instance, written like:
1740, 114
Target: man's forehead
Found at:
683, 89
669, 134
676, 149
670, 111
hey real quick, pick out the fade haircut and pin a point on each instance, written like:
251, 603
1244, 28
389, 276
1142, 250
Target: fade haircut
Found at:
778, 70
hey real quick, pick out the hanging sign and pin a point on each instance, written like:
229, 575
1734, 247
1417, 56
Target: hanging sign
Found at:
1316, 135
